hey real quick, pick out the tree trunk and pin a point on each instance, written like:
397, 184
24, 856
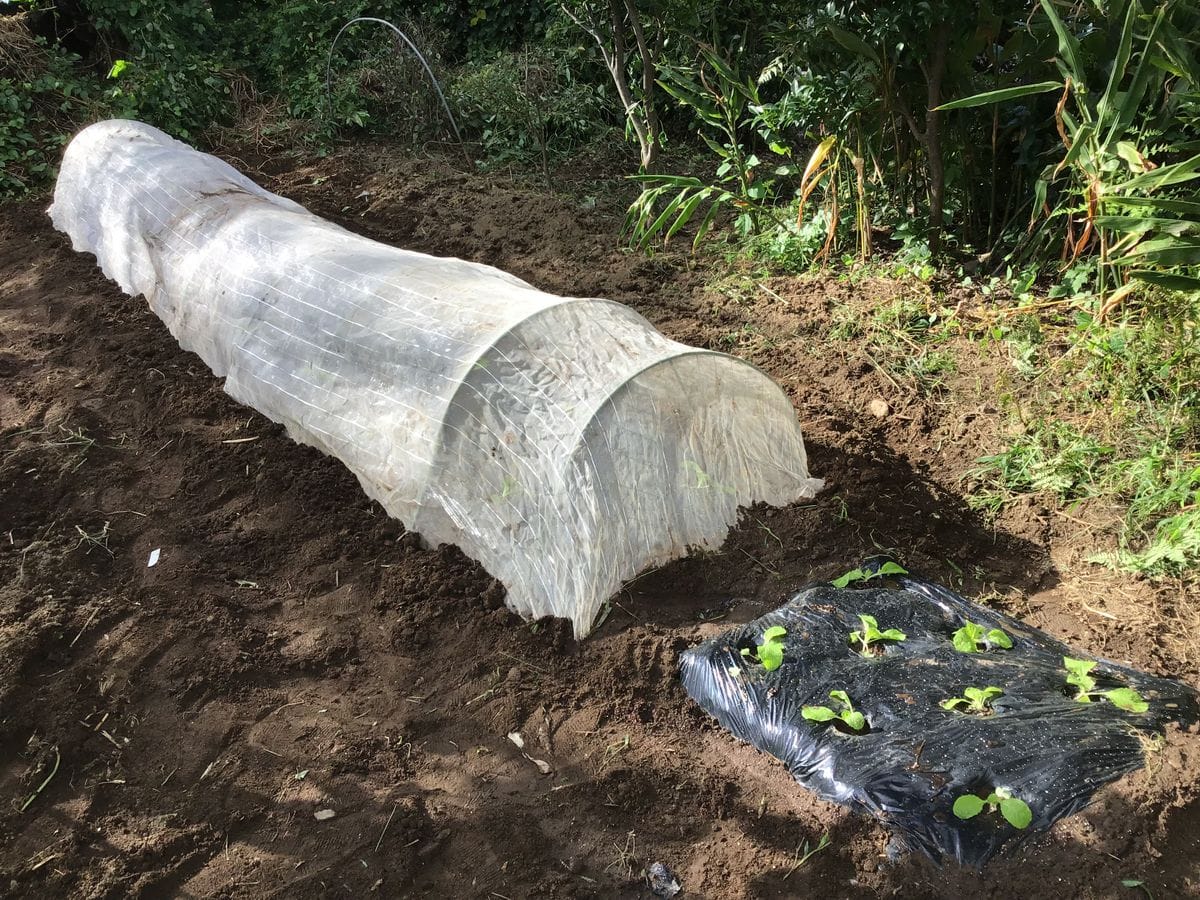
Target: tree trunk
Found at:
933, 135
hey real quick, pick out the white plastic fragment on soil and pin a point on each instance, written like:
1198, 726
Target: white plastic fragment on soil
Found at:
563, 443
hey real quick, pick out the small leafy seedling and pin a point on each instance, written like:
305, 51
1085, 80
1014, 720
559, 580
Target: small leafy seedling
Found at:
768, 654
1079, 677
1015, 810
847, 715
872, 635
975, 700
971, 637
855, 576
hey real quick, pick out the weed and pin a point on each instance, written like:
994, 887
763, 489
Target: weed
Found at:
977, 701
972, 638
804, 853
93, 540
769, 653
1079, 677
872, 638
846, 714
1015, 810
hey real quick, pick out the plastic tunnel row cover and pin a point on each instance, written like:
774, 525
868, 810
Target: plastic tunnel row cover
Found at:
564, 443
913, 758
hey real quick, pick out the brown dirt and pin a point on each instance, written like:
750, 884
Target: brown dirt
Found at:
294, 650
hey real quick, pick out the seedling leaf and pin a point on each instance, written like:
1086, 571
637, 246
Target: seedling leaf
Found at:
856, 575
1127, 699
968, 638
818, 713
854, 720
1016, 811
968, 806
999, 638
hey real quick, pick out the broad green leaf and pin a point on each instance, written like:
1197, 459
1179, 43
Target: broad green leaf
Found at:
1132, 101
707, 221
869, 623
775, 631
891, 568
966, 639
998, 638
892, 634
853, 43
968, 806
818, 713
1127, 699
856, 721
1166, 204
851, 576
1176, 173
841, 697
1144, 224
1165, 252
1002, 95
1016, 811
770, 655
1167, 280
1068, 47
951, 704
685, 214
1119, 63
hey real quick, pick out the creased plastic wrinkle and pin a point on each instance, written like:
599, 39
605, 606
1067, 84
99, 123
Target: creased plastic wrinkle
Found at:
562, 442
914, 758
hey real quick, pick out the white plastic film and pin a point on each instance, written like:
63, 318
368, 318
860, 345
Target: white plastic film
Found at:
564, 443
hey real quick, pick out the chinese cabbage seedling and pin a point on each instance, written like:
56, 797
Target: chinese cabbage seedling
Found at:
976, 700
968, 638
768, 654
871, 634
847, 715
855, 576
1079, 677
1015, 810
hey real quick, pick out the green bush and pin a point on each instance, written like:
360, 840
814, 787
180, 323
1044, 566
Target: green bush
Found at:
527, 105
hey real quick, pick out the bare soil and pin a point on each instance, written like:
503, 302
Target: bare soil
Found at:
295, 651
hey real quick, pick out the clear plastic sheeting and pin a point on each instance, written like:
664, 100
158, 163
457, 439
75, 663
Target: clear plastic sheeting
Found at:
564, 443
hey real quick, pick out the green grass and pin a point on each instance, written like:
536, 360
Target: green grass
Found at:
1113, 416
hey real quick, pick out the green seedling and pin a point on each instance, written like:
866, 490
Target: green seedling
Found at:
855, 576
871, 635
1079, 677
1015, 810
847, 715
977, 701
971, 637
768, 654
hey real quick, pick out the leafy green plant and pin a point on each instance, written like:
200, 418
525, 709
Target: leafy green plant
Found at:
846, 713
871, 637
977, 701
728, 106
860, 576
1079, 677
769, 653
970, 638
1015, 810
1116, 203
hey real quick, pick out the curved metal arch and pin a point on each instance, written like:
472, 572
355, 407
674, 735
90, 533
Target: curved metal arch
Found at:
411, 46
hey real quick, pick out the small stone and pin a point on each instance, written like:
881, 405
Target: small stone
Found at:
879, 408
322, 815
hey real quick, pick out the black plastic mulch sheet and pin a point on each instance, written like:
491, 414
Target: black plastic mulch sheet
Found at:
915, 758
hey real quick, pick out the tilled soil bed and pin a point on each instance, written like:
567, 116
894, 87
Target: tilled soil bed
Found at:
293, 651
